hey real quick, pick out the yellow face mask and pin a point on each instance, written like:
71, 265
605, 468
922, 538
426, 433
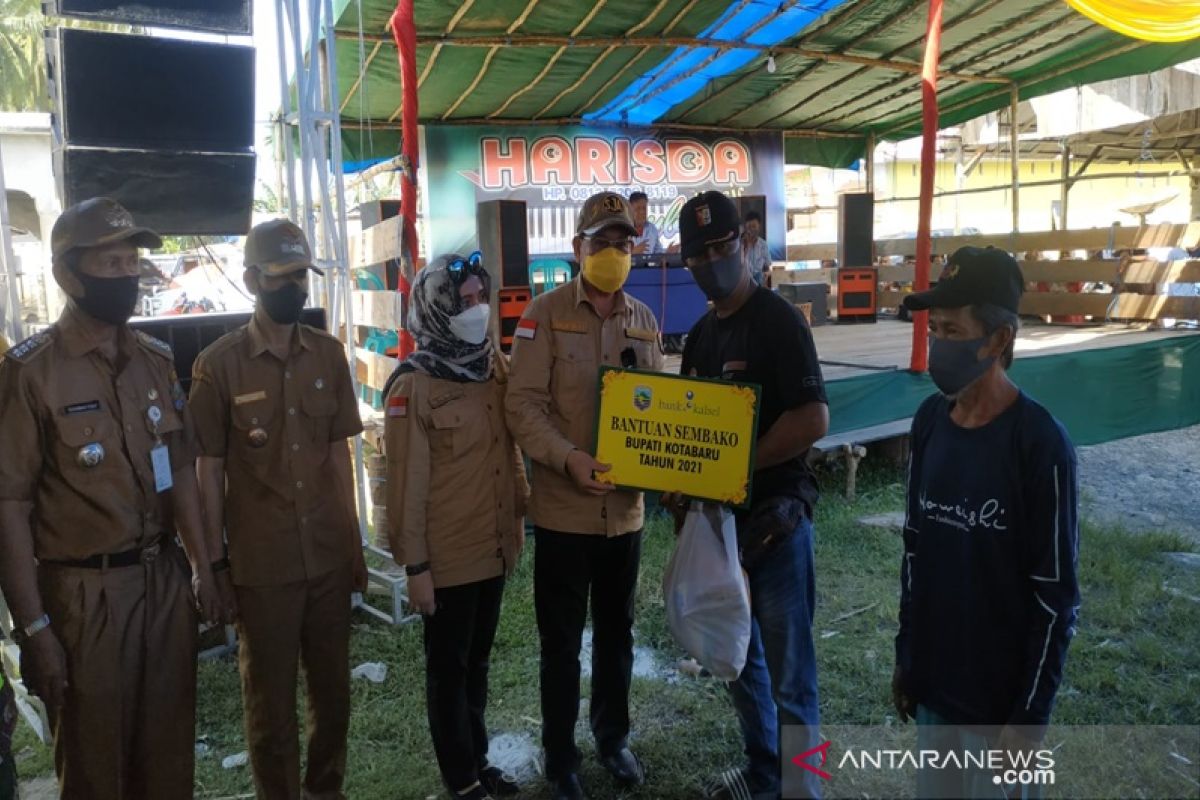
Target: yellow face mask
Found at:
608, 269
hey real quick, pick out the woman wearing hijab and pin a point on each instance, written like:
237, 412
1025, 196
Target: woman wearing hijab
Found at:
456, 496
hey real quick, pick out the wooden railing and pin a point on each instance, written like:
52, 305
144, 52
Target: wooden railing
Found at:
378, 309
1116, 237
1127, 288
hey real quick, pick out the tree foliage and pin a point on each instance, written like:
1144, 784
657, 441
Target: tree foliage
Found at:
22, 57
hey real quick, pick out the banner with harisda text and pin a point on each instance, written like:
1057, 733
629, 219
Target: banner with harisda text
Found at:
554, 169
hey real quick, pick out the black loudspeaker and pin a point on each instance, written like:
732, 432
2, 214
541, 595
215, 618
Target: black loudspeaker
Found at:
856, 230
164, 126
504, 240
189, 334
217, 16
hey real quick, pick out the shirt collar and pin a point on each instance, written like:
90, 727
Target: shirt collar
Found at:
619, 304
257, 341
81, 334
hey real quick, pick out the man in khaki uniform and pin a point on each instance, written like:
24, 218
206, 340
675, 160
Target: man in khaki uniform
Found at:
587, 534
96, 475
274, 405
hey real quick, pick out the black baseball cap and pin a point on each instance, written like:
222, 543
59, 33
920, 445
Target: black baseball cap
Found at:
974, 276
706, 219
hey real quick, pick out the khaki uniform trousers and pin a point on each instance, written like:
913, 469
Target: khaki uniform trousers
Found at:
280, 627
127, 727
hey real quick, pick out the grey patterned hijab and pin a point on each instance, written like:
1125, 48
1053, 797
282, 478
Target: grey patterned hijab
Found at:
435, 299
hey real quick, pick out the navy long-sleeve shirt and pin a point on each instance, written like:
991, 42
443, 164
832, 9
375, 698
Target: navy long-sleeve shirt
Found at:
989, 596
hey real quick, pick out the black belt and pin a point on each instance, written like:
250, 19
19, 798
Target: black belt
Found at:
127, 558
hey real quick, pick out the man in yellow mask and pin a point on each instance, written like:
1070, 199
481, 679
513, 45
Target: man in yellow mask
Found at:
587, 534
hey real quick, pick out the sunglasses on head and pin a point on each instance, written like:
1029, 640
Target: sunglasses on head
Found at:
461, 268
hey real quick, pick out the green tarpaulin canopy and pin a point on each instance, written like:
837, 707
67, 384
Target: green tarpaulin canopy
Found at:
849, 75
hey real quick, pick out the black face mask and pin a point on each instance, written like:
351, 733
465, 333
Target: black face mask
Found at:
110, 300
720, 278
285, 303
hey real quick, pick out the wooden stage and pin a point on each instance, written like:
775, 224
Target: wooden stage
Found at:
888, 343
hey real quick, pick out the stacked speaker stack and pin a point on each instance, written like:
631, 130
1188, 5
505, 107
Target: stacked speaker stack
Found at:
504, 241
163, 125
857, 277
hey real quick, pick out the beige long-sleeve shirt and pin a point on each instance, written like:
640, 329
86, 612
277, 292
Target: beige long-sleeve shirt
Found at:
454, 478
560, 345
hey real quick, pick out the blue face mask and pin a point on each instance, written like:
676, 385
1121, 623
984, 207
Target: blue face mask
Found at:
954, 364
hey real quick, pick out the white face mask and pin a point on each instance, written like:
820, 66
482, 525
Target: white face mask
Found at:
472, 325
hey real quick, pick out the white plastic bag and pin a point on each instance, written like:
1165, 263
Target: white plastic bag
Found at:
707, 599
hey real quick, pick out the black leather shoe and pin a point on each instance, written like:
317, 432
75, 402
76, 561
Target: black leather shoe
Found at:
498, 783
625, 767
567, 787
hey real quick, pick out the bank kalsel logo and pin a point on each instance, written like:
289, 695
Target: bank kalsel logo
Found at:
642, 397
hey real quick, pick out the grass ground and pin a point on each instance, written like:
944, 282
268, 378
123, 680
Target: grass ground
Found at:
1136, 660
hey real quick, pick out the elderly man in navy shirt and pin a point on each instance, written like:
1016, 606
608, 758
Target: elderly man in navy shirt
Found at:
989, 596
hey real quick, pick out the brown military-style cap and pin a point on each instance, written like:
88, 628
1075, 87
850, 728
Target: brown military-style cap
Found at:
98, 222
278, 247
602, 210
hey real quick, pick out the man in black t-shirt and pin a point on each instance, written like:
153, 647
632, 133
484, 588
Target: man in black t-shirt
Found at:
752, 335
988, 589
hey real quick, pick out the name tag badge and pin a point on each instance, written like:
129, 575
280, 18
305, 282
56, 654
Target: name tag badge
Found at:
82, 408
160, 458
250, 397
641, 334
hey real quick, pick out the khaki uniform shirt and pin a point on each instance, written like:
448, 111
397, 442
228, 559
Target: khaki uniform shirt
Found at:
59, 397
276, 423
560, 345
454, 477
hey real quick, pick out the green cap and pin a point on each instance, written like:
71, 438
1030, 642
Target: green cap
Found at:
97, 222
278, 247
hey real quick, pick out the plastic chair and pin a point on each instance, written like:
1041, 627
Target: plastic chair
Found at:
547, 273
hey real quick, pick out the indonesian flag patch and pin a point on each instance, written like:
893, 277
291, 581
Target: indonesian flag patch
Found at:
397, 407
527, 329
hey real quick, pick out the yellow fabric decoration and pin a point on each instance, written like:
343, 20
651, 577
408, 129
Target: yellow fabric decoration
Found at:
1152, 20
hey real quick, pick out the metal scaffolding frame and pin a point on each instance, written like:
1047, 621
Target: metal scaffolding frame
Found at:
10, 301
315, 194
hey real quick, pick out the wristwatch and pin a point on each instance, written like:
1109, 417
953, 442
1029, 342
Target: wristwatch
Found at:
413, 570
23, 635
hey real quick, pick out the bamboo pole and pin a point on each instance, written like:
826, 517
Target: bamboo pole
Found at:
851, 106
487, 62
506, 40
1003, 187
766, 20
579, 82
437, 49
551, 62
564, 121
362, 72
1065, 194
1014, 147
870, 158
889, 54
607, 52
1125, 47
839, 17
615, 77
